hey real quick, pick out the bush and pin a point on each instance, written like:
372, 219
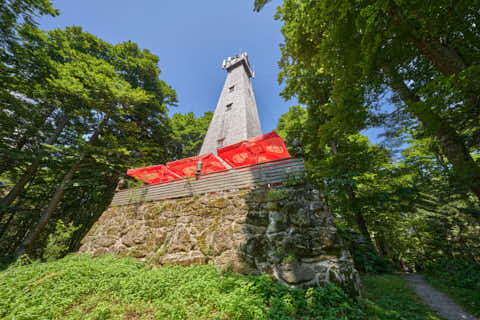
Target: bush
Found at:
461, 273
58, 242
458, 278
5, 261
364, 255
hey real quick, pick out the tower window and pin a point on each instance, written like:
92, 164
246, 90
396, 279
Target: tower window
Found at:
231, 89
220, 142
229, 106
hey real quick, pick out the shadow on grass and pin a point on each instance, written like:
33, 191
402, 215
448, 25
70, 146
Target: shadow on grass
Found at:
6, 261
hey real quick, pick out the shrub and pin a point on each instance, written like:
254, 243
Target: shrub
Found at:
58, 242
461, 273
81, 287
458, 278
364, 255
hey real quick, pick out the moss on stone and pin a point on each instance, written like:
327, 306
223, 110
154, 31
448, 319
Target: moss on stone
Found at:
229, 229
257, 196
139, 251
202, 238
94, 228
276, 194
290, 259
237, 195
154, 211
170, 205
160, 223
256, 247
163, 250
219, 203
208, 212
202, 243
214, 224
333, 250
112, 231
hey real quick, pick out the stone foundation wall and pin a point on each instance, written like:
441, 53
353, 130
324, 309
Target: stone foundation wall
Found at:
284, 231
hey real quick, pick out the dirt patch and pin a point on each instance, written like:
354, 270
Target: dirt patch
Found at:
48, 276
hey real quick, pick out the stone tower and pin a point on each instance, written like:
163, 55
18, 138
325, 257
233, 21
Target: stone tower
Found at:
236, 116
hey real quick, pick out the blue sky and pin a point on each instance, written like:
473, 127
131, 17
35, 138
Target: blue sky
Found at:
192, 38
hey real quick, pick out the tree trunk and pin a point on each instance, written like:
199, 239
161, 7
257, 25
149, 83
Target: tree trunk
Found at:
21, 231
21, 142
445, 59
452, 144
361, 223
57, 197
112, 181
32, 169
382, 246
7, 224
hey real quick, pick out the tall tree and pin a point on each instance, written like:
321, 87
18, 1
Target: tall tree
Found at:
340, 168
426, 54
14, 13
105, 112
89, 81
188, 133
409, 208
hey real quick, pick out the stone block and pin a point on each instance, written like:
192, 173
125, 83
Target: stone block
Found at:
287, 236
277, 222
296, 273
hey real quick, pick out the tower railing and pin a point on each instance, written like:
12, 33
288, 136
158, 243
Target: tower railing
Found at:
247, 177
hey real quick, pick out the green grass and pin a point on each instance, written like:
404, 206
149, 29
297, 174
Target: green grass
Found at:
393, 299
468, 298
460, 279
108, 287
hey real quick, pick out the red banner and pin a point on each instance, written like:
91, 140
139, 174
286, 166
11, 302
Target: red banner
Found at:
187, 167
267, 147
154, 174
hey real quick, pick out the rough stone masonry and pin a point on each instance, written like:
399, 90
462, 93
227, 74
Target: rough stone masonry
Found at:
284, 231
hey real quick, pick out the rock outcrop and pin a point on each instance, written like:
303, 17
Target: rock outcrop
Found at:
283, 231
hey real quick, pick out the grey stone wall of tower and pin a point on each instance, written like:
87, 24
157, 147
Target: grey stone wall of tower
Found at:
236, 115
